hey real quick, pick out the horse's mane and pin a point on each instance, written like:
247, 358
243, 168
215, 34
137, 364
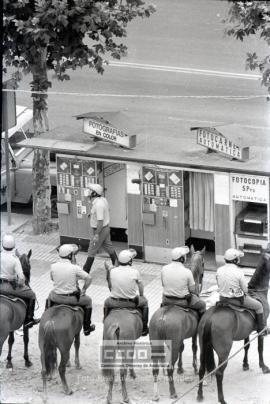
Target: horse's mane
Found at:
25, 267
261, 276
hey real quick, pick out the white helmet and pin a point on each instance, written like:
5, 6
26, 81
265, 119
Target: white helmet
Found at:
97, 188
126, 255
179, 252
8, 241
231, 254
65, 250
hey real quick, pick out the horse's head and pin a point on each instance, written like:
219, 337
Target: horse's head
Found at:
197, 264
26, 266
260, 278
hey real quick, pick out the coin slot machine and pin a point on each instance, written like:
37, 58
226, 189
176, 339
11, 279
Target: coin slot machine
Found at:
162, 197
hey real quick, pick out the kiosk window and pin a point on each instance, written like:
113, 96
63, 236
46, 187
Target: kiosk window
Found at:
251, 227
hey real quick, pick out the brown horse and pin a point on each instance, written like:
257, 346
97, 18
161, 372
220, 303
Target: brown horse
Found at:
220, 326
59, 326
175, 324
122, 327
12, 314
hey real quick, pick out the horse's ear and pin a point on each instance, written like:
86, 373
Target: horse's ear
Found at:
17, 253
192, 249
29, 254
203, 250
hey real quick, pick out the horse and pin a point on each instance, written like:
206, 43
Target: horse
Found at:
59, 326
175, 324
12, 314
197, 269
220, 326
122, 327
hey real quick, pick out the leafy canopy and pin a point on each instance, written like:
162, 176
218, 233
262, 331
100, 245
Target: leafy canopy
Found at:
60, 27
252, 18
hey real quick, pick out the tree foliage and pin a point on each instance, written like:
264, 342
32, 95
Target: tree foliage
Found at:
59, 36
61, 26
247, 18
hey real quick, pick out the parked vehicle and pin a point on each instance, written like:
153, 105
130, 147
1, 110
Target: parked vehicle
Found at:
20, 162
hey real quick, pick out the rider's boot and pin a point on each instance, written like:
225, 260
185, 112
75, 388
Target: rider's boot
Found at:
87, 326
88, 264
106, 311
114, 259
145, 313
29, 318
261, 324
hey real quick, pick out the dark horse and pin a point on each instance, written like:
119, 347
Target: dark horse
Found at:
122, 327
220, 326
12, 314
175, 324
59, 326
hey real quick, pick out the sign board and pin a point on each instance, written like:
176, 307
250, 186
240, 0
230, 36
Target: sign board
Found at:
213, 140
108, 133
249, 188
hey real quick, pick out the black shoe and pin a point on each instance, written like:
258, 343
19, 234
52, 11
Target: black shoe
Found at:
145, 331
31, 322
88, 331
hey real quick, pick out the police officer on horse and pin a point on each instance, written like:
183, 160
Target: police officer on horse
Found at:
65, 276
233, 287
124, 283
12, 280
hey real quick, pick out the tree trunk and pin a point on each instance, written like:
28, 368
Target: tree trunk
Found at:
41, 161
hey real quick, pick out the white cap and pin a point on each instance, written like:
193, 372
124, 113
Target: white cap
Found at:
179, 252
65, 250
97, 188
8, 241
231, 254
126, 255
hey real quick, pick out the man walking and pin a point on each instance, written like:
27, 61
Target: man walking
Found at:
99, 227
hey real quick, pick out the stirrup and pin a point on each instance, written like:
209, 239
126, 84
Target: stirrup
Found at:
31, 322
90, 329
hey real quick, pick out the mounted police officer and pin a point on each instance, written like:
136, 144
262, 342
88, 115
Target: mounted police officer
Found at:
99, 227
178, 283
124, 282
65, 276
233, 286
12, 279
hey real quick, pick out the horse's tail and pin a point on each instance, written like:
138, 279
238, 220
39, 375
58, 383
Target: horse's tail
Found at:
49, 347
109, 347
207, 351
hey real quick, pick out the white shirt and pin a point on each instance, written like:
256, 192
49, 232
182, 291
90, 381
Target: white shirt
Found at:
11, 267
231, 281
65, 275
124, 280
100, 211
176, 279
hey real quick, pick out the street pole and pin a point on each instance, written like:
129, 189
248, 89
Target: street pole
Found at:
8, 193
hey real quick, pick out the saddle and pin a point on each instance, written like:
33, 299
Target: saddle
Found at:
131, 310
74, 308
186, 309
13, 299
235, 308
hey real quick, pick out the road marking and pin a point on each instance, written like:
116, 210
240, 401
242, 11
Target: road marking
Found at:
185, 70
173, 118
